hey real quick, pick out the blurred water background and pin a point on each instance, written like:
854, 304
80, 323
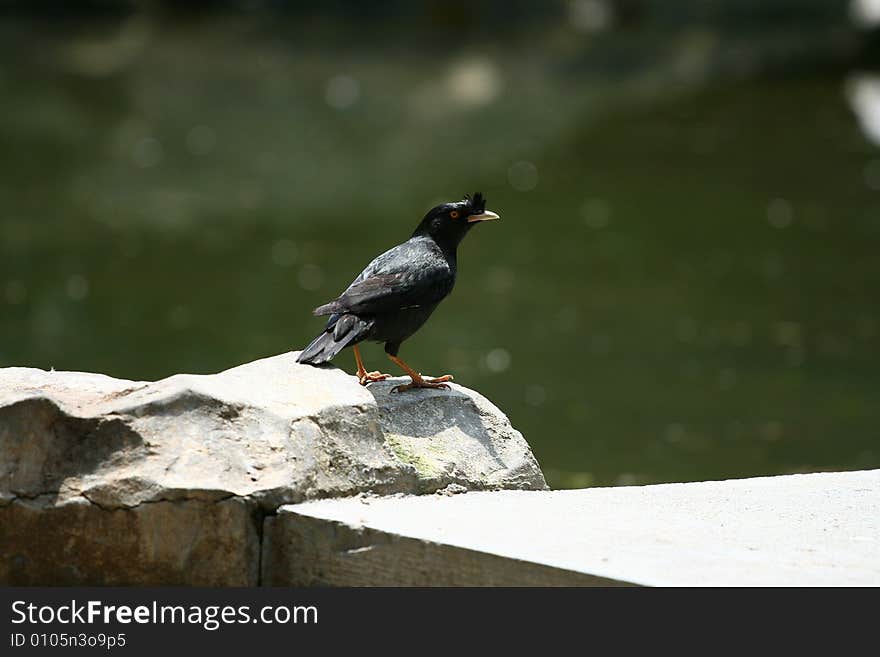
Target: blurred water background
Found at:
685, 281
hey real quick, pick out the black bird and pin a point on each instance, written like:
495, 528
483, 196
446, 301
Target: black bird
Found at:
398, 291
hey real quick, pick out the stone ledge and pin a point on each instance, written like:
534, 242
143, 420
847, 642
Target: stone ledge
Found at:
796, 530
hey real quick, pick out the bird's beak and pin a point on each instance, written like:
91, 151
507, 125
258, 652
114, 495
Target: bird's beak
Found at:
485, 216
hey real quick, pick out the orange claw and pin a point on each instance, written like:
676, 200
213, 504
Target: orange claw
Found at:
371, 377
417, 380
363, 376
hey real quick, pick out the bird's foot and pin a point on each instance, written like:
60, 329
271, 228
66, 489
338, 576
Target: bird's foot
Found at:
365, 378
419, 382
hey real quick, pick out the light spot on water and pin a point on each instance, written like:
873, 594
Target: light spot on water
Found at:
627, 479
310, 277
179, 317
342, 91
590, 16
675, 433
535, 395
686, 329
567, 319
741, 333
578, 411
691, 369
833, 345
865, 13
147, 153
866, 327
500, 280
130, 245
734, 430
863, 92
523, 176
284, 253
695, 50
773, 267
780, 214
872, 175
77, 287
201, 140
727, 378
788, 334
771, 431
704, 140
795, 356
250, 194
474, 81
600, 344
498, 360
15, 292
596, 213
577, 479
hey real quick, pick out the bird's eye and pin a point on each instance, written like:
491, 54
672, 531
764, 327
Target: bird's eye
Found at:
454, 214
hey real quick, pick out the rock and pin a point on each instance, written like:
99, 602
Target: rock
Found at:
137, 482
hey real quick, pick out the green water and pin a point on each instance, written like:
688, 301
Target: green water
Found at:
683, 285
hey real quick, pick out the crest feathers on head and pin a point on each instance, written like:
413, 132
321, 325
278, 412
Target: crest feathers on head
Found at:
477, 203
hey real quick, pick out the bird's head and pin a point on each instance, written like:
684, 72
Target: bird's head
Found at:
448, 223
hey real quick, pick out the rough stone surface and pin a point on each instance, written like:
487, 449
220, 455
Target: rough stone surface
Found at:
797, 530
137, 482
185, 542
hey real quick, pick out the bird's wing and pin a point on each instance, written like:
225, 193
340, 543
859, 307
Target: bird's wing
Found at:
403, 277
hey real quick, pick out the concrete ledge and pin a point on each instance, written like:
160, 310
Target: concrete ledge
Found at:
798, 530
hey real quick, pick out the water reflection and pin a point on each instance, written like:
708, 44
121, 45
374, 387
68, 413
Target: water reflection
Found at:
684, 285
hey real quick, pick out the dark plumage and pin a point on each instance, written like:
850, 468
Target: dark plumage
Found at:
398, 291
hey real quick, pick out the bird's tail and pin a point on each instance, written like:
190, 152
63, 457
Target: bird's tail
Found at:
341, 331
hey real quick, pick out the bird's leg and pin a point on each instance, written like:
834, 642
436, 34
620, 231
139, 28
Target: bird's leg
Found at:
417, 380
363, 376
